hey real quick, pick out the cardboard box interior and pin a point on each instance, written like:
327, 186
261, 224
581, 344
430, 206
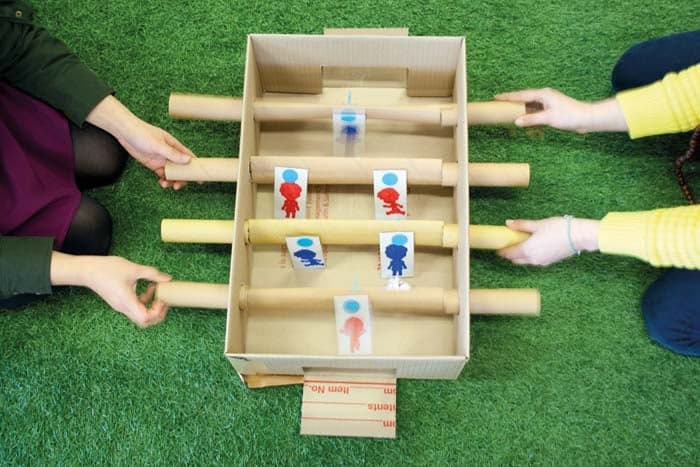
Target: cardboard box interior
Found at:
373, 70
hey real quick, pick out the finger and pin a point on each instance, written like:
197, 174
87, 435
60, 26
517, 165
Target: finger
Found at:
179, 149
156, 313
171, 140
524, 225
164, 183
534, 119
511, 253
179, 185
147, 296
135, 311
152, 274
526, 95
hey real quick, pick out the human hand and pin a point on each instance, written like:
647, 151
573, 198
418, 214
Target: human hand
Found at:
148, 144
114, 280
152, 147
565, 113
551, 241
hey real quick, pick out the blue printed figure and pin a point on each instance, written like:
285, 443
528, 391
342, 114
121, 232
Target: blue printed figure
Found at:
306, 256
349, 129
396, 252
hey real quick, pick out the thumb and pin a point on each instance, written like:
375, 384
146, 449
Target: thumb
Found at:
524, 225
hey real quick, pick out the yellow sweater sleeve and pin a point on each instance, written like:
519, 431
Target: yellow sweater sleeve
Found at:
671, 105
662, 237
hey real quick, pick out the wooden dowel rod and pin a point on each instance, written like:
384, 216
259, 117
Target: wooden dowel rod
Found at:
207, 169
337, 232
193, 294
494, 112
196, 231
351, 170
205, 107
420, 300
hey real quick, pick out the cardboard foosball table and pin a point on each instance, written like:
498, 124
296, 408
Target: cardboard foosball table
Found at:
281, 328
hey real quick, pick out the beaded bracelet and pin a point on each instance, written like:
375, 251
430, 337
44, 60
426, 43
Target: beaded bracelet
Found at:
573, 249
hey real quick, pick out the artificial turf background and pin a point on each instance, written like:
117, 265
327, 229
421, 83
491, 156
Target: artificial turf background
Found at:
582, 384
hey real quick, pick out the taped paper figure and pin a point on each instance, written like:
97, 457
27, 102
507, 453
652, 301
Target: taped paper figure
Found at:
306, 252
390, 194
348, 132
397, 255
353, 322
290, 193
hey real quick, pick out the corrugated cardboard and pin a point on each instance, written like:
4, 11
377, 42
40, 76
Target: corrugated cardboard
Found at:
290, 68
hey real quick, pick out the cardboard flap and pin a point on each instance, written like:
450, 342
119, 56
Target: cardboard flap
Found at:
365, 31
268, 381
349, 404
295, 63
429, 83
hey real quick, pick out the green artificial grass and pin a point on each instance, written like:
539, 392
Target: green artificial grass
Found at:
580, 385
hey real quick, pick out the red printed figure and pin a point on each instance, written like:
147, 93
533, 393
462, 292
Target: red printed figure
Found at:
390, 197
290, 191
354, 328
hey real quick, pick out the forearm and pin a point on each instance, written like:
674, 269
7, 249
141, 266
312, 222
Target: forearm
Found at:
113, 117
69, 269
602, 116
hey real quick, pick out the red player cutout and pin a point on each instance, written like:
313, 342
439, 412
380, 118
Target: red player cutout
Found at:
390, 197
290, 191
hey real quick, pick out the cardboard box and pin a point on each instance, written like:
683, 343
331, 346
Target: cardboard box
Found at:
375, 70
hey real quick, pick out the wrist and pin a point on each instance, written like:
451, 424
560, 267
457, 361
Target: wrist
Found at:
584, 234
606, 115
72, 269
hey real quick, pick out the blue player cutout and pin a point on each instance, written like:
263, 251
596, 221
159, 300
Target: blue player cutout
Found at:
396, 252
306, 256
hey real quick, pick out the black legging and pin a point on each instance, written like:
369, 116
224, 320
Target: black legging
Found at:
99, 161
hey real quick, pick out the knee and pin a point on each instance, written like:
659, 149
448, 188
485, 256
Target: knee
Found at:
114, 161
671, 309
629, 69
99, 158
90, 232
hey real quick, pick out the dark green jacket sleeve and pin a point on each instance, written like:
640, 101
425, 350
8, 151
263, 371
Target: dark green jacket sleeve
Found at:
41, 65
25, 265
